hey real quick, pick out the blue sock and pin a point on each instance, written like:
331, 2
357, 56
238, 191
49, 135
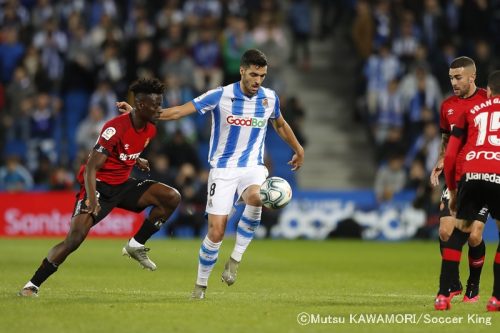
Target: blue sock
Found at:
209, 251
247, 225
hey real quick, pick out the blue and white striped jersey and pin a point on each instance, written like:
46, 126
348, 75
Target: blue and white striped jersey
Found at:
239, 124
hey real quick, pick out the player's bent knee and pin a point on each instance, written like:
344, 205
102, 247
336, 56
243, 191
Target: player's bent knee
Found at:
444, 234
446, 226
475, 240
173, 198
254, 200
168, 198
216, 230
216, 235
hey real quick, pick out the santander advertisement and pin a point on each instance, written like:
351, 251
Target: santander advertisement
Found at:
49, 214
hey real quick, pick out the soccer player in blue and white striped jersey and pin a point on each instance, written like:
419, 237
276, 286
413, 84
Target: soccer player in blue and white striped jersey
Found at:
240, 114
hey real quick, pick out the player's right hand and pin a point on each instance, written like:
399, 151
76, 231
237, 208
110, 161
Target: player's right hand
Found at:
438, 169
142, 164
93, 207
124, 107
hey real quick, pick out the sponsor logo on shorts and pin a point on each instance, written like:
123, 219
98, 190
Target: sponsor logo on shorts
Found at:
445, 195
488, 177
246, 122
485, 155
108, 133
483, 211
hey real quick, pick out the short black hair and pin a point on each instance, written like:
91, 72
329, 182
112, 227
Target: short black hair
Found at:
147, 86
494, 82
462, 62
253, 57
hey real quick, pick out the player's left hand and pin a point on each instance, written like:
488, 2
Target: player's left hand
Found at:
124, 107
296, 161
452, 203
142, 164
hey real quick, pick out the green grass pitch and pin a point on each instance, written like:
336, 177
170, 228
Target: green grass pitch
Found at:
98, 290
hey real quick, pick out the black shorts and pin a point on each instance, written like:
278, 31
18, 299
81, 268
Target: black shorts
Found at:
124, 196
444, 210
478, 196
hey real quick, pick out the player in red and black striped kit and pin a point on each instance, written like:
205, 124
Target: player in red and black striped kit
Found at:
105, 183
462, 75
480, 173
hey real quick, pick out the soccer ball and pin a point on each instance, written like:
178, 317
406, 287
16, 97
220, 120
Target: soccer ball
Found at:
275, 193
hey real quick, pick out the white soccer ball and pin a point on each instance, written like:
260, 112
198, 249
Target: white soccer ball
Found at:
275, 193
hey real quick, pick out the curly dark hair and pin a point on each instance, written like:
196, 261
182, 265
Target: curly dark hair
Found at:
147, 86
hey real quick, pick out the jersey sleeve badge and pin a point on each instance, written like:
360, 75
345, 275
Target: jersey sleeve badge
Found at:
108, 133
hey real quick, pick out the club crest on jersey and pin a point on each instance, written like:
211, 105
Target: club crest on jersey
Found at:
450, 112
265, 102
126, 146
108, 133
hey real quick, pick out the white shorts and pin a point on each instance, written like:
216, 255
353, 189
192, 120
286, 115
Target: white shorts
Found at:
224, 183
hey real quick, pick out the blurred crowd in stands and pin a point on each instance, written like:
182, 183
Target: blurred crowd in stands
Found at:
64, 64
404, 50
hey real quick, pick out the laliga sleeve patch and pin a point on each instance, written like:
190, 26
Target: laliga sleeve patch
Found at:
108, 133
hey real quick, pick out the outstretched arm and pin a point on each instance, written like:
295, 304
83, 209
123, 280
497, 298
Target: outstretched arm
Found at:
177, 112
286, 133
173, 113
